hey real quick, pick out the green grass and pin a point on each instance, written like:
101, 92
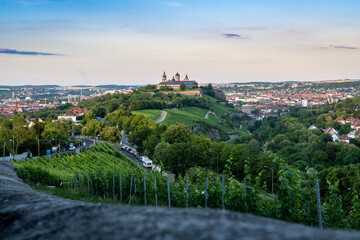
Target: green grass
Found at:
149, 114
220, 109
190, 115
242, 131
210, 98
72, 194
187, 116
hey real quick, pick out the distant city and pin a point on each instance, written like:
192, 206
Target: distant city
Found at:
34, 98
263, 99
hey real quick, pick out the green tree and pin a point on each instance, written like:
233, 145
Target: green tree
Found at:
182, 87
345, 129
176, 134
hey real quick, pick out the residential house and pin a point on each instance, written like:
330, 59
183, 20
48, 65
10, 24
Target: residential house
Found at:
344, 138
312, 127
334, 134
340, 120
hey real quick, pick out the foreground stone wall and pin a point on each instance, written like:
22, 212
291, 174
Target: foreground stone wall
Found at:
25, 214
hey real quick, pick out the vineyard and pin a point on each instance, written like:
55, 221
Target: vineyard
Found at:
105, 172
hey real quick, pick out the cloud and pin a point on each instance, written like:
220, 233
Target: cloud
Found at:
337, 47
172, 4
232, 35
253, 28
29, 2
343, 47
11, 51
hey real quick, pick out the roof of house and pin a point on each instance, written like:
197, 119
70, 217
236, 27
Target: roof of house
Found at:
344, 137
339, 119
329, 129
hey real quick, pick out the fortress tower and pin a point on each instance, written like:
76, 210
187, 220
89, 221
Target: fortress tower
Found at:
164, 77
177, 77
186, 78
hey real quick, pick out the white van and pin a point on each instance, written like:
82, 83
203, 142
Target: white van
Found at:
147, 163
144, 158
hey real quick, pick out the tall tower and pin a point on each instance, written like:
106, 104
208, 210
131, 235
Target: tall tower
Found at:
177, 77
164, 77
186, 78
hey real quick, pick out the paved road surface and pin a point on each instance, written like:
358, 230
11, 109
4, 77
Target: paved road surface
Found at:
132, 157
161, 117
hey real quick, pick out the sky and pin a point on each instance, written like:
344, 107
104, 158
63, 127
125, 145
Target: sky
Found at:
93, 42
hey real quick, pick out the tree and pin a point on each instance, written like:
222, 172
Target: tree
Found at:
177, 133
345, 129
179, 157
319, 157
111, 134
90, 128
139, 135
182, 87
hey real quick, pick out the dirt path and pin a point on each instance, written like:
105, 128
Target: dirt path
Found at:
161, 116
207, 114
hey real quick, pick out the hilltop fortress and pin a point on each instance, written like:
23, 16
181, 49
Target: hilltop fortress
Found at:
175, 82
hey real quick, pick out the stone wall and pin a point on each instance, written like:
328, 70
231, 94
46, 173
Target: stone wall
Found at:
25, 214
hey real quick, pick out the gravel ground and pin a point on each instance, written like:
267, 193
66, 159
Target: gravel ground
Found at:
26, 214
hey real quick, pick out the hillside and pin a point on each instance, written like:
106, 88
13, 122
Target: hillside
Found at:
215, 121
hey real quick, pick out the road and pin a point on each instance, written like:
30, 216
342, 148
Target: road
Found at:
161, 117
132, 157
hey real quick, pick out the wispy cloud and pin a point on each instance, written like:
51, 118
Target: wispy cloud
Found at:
338, 47
29, 2
343, 47
232, 35
12, 51
253, 28
172, 4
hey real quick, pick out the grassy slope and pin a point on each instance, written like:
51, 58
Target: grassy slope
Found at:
189, 116
149, 114
220, 109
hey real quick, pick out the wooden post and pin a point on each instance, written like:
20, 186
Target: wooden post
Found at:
223, 192
245, 186
168, 188
156, 202
145, 189
318, 203
38, 147
206, 192
120, 188
113, 185
87, 175
187, 193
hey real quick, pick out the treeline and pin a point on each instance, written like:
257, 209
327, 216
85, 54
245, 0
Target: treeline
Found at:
314, 151
17, 135
176, 148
